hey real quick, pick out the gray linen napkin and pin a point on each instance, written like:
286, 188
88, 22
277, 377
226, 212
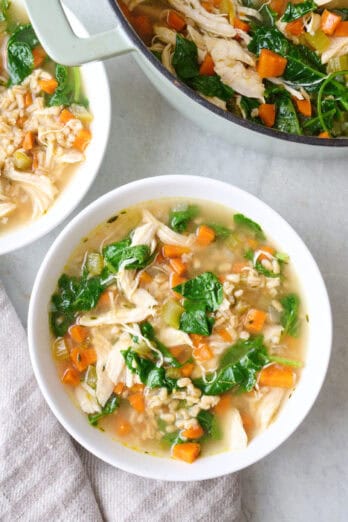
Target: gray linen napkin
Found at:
44, 475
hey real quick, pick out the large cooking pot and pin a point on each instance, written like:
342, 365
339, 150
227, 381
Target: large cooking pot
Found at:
65, 47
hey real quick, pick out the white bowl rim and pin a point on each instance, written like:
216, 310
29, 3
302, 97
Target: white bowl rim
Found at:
28, 233
187, 473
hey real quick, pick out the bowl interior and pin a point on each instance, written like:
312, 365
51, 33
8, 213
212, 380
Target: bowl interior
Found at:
313, 292
96, 87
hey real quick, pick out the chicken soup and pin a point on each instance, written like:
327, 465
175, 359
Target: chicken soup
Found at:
280, 64
177, 328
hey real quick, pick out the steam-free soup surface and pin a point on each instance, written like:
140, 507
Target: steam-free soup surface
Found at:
177, 328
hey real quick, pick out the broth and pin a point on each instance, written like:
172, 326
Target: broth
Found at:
201, 369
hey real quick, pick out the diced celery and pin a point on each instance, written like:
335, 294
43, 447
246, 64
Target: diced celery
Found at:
60, 350
142, 349
173, 373
91, 377
232, 241
171, 313
319, 41
339, 63
21, 160
77, 83
95, 263
81, 113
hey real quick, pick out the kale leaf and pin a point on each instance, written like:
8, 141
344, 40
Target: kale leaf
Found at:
110, 407
148, 332
69, 87
151, 375
74, 294
268, 15
194, 319
289, 317
204, 288
210, 424
20, 61
221, 232
179, 219
238, 368
185, 58
122, 253
286, 119
295, 11
211, 86
244, 221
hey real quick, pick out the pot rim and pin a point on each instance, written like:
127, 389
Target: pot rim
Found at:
272, 133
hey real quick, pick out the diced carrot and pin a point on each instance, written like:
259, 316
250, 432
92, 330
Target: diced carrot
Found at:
20, 121
176, 21
48, 86
267, 113
66, 116
138, 387
278, 6
187, 451
35, 163
123, 427
28, 99
255, 320
104, 298
177, 265
176, 280
341, 29
270, 64
205, 235
196, 432
176, 351
239, 24
83, 358
324, 134
202, 353
223, 405
216, 3
248, 422
207, 66
143, 26
145, 278
187, 369
295, 27
277, 376
174, 250
329, 22
208, 6
225, 334
303, 106
78, 333
71, 376
82, 139
268, 249
197, 339
119, 388
238, 267
136, 400
28, 141
160, 258
39, 56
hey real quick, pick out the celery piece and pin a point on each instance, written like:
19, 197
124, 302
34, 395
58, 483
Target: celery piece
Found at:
338, 63
173, 373
60, 350
77, 83
94, 263
319, 41
91, 377
171, 313
21, 160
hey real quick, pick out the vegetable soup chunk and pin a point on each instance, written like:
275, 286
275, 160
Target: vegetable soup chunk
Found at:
282, 64
178, 328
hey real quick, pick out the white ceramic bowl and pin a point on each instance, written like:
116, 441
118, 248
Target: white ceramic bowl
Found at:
313, 292
96, 87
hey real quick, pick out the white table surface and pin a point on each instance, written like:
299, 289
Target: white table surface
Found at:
306, 478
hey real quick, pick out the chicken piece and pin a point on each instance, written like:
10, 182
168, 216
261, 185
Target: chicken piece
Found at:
166, 234
237, 435
167, 55
265, 408
338, 47
228, 57
272, 333
164, 34
6, 206
119, 316
115, 364
212, 23
86, 398
173, 337
145, 235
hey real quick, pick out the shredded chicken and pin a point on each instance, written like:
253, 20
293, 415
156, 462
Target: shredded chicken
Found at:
338, 47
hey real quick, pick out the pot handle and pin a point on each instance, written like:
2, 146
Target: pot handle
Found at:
63, 45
